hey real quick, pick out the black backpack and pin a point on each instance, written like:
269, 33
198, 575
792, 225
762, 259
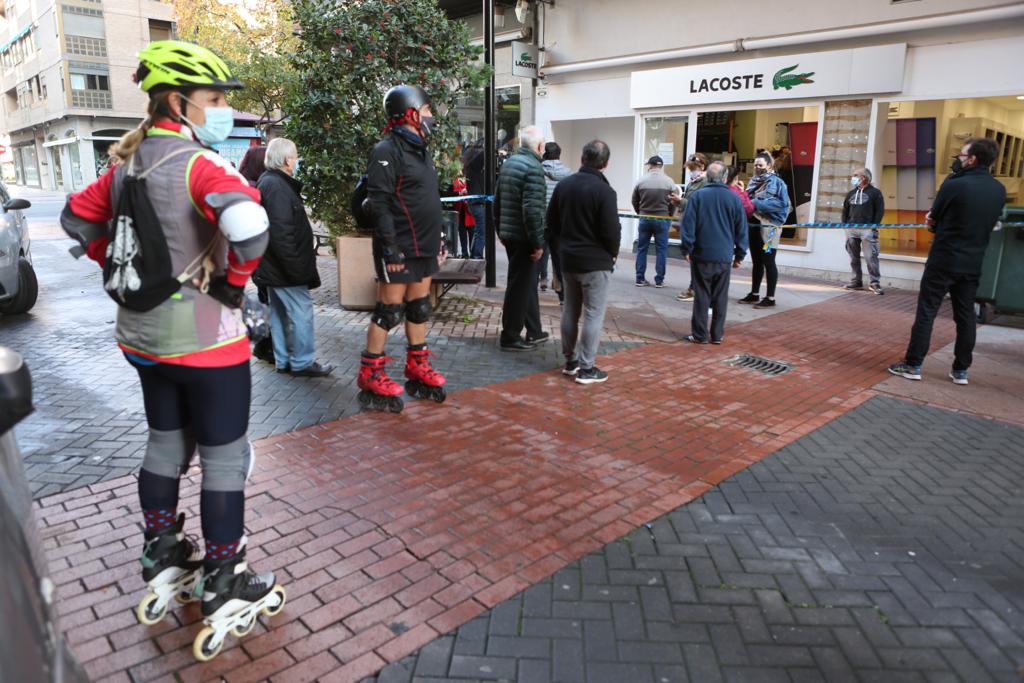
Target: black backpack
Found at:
137, 270
359, 206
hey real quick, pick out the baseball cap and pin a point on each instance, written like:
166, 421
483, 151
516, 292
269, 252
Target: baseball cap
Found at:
655, 161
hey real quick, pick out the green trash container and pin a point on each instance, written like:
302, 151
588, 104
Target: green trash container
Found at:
1002, 273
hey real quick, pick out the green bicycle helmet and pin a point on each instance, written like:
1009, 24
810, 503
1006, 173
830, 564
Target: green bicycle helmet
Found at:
178, 65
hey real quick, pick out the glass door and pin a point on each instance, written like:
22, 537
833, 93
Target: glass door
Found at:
58, 170
665, 136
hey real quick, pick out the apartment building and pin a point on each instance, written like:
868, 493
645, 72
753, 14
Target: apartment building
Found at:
66, 77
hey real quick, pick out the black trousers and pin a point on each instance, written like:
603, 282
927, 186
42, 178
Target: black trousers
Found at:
764, 263
962, 288
522, 306
710, 290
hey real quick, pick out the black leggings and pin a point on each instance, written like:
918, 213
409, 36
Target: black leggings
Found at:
211, 407
763, 263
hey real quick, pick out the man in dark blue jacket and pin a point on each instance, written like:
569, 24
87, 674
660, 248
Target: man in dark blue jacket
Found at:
963, 214
713, 236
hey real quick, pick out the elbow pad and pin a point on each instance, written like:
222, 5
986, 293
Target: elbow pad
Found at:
242, 221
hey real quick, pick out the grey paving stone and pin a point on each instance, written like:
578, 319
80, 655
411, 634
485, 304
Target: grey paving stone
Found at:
911, 573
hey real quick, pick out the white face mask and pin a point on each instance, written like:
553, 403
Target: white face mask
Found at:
855, 181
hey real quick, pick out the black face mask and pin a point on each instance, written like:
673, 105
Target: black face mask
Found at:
957, 165
427, 127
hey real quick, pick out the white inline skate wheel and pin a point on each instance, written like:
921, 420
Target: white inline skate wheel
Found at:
203, 646
271, 610
147, 612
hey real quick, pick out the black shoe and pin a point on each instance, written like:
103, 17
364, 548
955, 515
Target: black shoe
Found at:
693, 340
877, 289
517, 345
314, 369
750, 299
572, 367
284, 371
765, 303
594, 375
539, 339
855, 286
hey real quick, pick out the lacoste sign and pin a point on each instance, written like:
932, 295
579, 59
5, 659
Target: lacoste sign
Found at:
524, 60
819, 74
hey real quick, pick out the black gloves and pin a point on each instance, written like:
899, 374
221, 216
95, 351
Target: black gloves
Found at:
226, 293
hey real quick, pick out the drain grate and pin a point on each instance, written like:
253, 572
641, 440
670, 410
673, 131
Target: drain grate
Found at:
765, 366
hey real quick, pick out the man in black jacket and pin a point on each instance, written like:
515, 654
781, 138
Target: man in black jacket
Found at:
583, 228
963, 214
863, 204
288, 269
405, 206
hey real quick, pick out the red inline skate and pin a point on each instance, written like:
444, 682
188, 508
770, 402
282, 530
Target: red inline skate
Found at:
377, 390
423, 380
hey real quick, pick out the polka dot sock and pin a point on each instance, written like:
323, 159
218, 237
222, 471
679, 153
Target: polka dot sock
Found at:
221, 551
160, 518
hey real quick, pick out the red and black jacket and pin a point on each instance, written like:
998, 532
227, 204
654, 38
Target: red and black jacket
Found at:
405, 200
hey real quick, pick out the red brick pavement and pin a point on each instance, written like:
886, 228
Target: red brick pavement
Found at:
389, 531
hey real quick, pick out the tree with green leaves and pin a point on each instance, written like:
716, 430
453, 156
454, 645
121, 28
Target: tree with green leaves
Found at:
256, 39
351, 53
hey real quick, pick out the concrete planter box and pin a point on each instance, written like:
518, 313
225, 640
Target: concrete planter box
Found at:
357, 284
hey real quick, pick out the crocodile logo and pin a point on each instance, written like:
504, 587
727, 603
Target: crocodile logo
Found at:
784, 79
525, 57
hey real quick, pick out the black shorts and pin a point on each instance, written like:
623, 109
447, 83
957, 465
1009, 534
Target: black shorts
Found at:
415, 269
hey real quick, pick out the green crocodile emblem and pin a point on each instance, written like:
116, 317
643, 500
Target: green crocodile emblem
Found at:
784, 79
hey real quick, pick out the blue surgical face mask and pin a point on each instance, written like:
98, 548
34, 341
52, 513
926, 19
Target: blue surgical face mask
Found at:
855, 181
219, 122
295, 169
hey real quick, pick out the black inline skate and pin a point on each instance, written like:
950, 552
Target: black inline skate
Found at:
172, 565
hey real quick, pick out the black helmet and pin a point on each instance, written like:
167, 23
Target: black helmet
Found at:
401, 98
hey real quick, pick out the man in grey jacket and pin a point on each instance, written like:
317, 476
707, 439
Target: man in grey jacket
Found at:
554, 170
653, 199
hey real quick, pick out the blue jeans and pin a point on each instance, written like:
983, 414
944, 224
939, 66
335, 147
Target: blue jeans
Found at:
291, 326
479, 213
658, 229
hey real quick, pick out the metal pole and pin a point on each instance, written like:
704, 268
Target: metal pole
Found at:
490, 272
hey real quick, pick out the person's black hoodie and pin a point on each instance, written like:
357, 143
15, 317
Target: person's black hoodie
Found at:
583, 222
965, 210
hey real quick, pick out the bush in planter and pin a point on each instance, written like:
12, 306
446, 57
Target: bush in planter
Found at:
351, 53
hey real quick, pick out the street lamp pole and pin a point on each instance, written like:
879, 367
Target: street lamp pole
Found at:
490, 273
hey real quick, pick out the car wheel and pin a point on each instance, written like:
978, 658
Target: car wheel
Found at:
28, 290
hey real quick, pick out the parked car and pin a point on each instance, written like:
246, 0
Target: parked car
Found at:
32, 647
18, 285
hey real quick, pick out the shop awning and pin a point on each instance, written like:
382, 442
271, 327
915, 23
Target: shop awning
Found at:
21, 34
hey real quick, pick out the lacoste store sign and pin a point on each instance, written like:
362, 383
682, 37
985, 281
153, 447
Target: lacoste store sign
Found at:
524, 60
818, 74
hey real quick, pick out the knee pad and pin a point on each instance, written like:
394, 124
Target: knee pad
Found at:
168, 453
386, 316
418, 310
226, 467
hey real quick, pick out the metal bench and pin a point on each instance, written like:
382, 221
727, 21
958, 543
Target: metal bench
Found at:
455, 271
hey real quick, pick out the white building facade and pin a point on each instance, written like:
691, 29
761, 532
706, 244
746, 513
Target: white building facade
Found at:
893, 86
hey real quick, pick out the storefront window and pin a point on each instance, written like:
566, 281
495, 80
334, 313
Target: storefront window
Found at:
58, 169
470, 112
790, 134
665, 136
919, 141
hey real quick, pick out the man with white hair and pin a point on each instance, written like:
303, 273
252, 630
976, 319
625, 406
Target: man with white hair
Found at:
288, 269
863, 204
521, 203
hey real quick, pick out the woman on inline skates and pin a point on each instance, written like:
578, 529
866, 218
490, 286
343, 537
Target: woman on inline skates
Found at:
405, 209
172, 197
